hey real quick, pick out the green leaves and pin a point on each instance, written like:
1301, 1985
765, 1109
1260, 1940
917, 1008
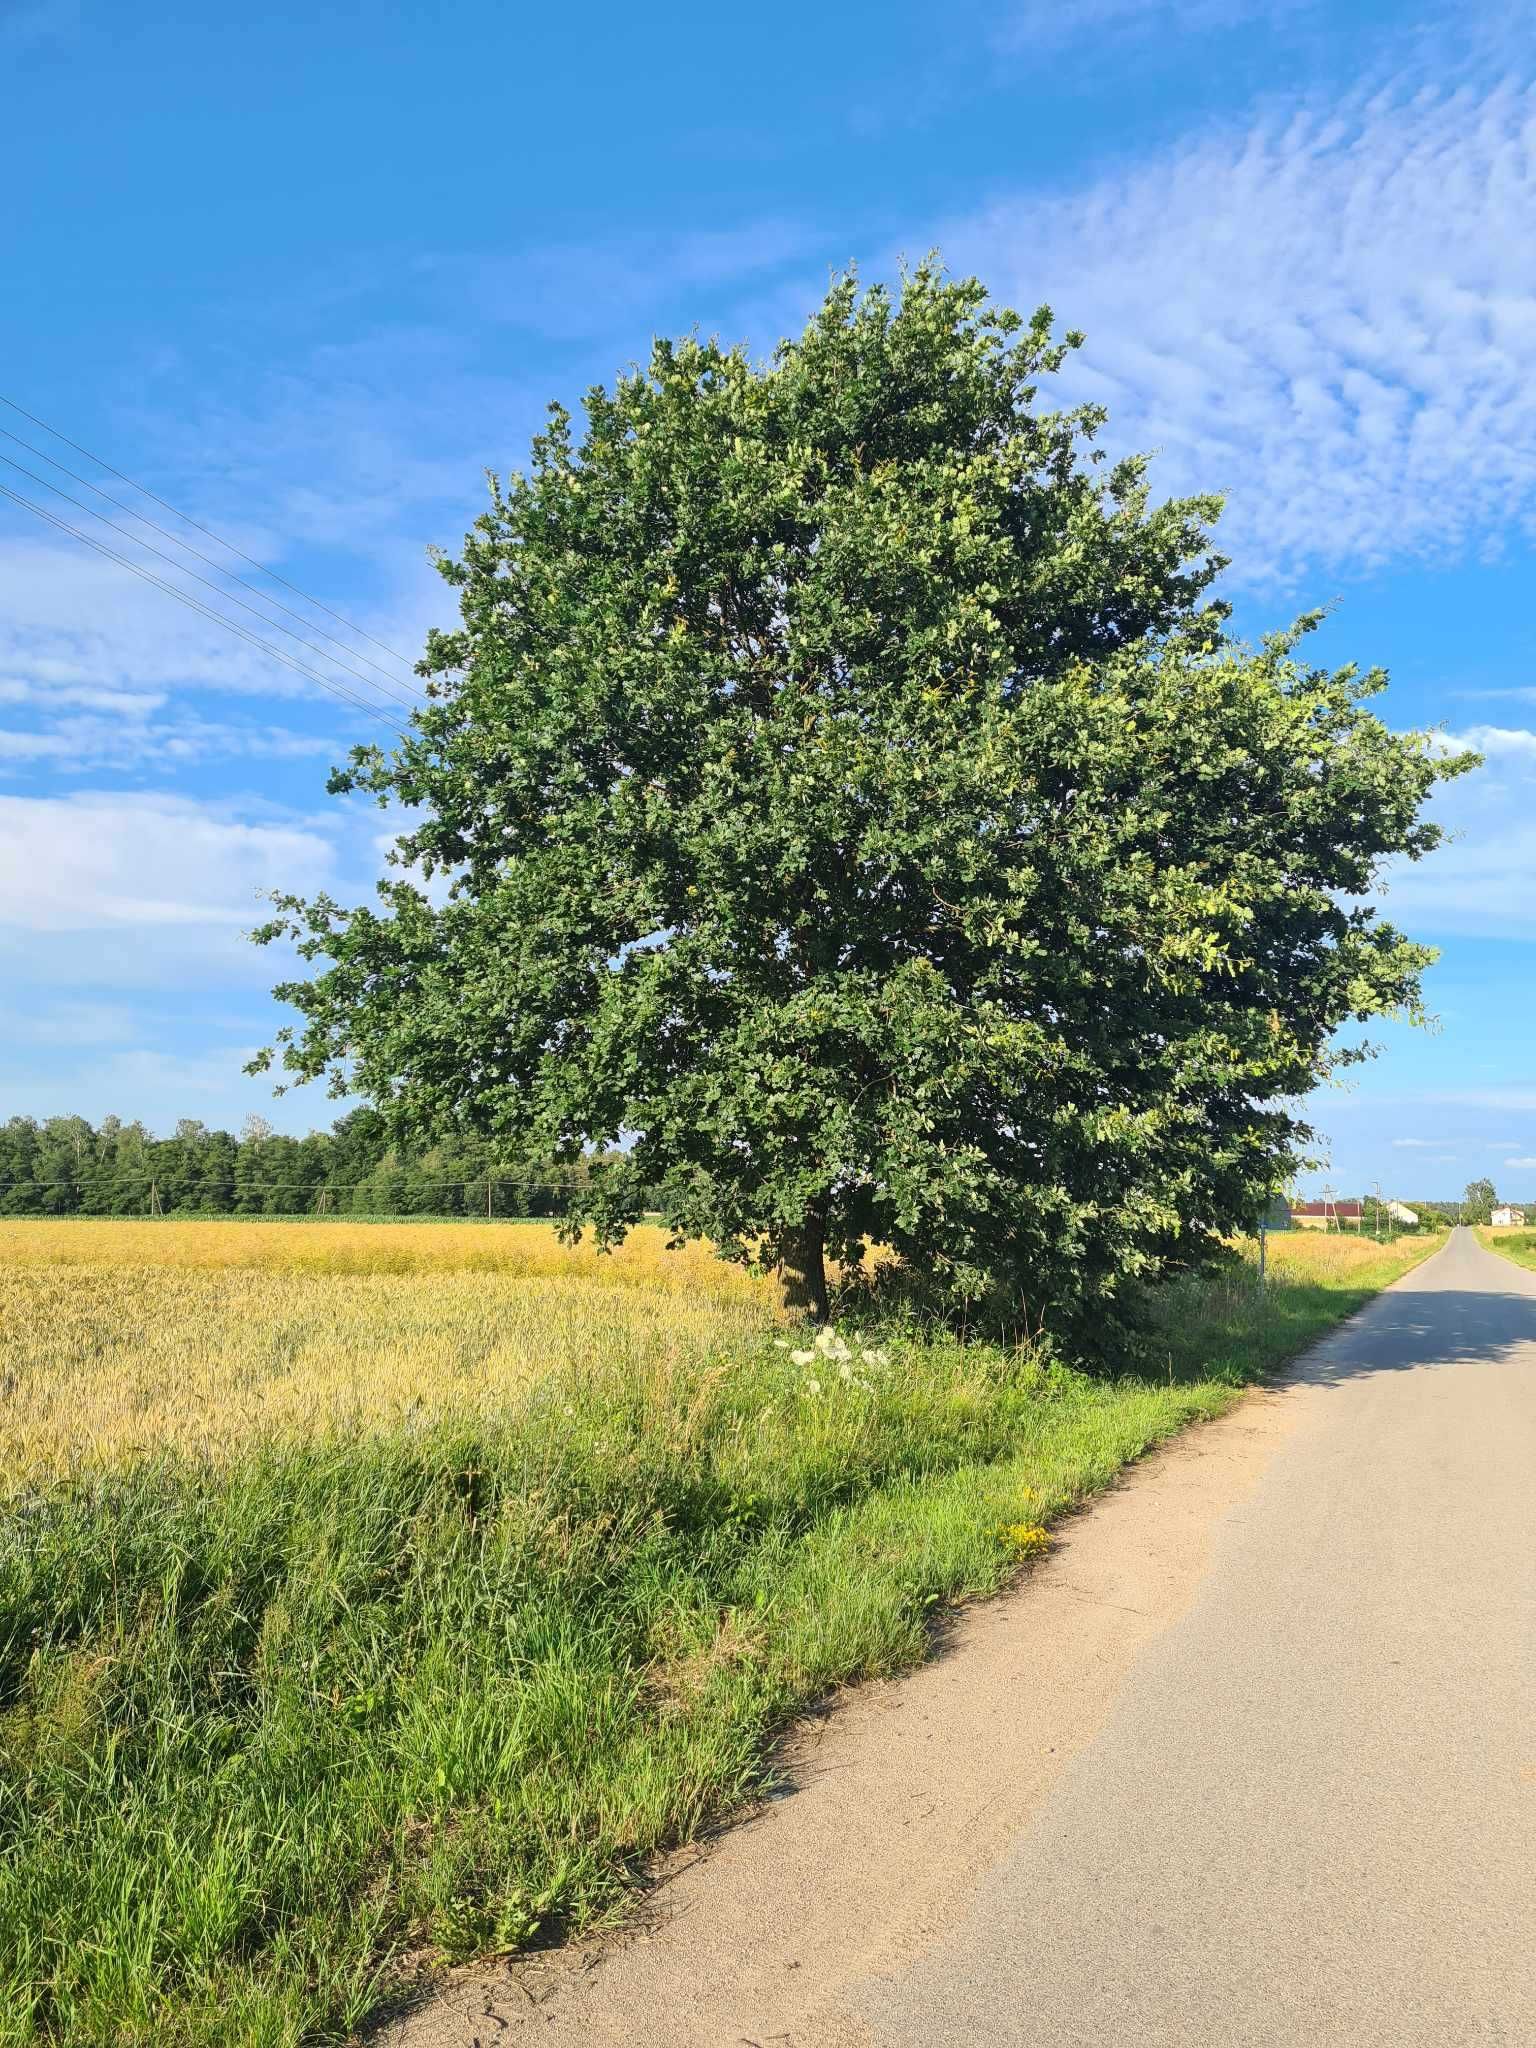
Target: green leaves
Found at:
853, 804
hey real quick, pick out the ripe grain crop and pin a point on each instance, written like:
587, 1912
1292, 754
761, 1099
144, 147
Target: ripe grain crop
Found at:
128, 1362
525, 1251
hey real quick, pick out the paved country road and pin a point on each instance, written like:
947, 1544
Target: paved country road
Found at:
1251, 1760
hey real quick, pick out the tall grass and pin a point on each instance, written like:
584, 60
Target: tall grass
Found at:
288, 1711
1227, 1326
1518, 1245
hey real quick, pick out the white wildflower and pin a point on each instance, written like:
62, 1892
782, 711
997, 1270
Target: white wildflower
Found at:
803, 1357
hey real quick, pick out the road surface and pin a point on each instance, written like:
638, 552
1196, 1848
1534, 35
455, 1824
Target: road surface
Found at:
1251, 1760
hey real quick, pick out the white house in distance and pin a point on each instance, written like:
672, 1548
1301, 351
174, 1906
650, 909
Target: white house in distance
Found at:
1507, 1218
1401, 1213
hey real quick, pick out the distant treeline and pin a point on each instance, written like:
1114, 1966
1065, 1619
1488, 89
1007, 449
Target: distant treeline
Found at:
65, 1166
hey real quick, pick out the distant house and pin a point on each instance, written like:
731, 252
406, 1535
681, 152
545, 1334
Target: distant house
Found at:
1327, 1215
1505, 1217
1401, 1213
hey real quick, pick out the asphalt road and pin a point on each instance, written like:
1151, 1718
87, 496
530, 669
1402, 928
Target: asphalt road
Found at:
1311, 1817
1252, 1760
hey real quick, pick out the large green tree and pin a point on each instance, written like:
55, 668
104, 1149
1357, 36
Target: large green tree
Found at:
1479, 1201
852, 802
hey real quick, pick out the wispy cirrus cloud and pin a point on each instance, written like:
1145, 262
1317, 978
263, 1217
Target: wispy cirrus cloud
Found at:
99, 669
1327, 311
129, 741
107, 860
1036, 24
549, 288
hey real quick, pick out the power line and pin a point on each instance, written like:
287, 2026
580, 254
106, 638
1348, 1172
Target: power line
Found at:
196, 604
165, 503
262, 1187
176, 541
389, 685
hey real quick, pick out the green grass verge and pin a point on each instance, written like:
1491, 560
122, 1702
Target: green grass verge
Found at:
1225, 1329
266, 1728
1519, 1246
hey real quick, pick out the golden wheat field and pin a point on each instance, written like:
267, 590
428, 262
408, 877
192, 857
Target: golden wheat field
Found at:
1312, 1255
118, 1339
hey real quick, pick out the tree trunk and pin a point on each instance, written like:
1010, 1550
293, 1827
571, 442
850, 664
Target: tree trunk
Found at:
803, 1266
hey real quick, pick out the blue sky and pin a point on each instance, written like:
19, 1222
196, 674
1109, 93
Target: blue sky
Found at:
307, 272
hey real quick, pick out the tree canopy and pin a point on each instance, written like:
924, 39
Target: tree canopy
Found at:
852, 802
1479, 1202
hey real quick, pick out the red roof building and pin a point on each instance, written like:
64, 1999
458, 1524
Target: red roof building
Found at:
1316, 1215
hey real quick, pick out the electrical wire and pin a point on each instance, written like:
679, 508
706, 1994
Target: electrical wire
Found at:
165, 503
93, 1182
389, 686
195, 604
186, 545
345, 1187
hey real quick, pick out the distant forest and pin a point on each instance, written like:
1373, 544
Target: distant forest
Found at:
65, 1166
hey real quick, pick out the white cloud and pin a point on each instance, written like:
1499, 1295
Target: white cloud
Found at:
72, 621
1329, 314
1493, 742
1413, 1144
159, 1084
96, 667
1526, 1160
119, 703
107, 862
1481, 882
78, 746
